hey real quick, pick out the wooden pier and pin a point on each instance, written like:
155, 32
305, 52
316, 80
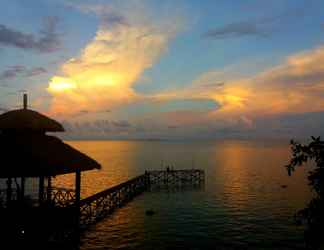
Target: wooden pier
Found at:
176, 178
99, 205
103, 203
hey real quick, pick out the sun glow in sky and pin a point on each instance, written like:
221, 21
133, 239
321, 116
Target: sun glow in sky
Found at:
184, 69
61, 84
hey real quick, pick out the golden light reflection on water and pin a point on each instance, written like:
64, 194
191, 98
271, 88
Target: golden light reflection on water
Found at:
244, 198
254, 176
245, 173
117, 160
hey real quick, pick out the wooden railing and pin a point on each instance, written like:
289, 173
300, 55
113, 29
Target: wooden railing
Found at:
3, 196
103, 203
61, 197
176, 178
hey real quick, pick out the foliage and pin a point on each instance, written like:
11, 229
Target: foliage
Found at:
312, 217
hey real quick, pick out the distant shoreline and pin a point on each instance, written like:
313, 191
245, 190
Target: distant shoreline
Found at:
263, 141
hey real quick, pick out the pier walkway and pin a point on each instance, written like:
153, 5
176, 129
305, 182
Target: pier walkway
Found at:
99, 205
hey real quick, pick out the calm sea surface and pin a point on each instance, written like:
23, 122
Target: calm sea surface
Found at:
243, 204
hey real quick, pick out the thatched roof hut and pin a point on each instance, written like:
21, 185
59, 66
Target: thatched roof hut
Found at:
40, 155
25, 119
26, 151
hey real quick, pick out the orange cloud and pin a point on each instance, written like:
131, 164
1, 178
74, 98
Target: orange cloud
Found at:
295, 86
102, 77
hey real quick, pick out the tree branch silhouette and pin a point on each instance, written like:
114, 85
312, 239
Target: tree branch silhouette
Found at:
312, 217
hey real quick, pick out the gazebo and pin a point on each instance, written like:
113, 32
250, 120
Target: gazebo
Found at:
28, 152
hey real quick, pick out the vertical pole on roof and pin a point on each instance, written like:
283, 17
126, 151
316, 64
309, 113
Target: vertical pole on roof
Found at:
25, 101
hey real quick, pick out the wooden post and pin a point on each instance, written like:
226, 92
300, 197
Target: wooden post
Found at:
49, 189
22, 188
77, 186
41, 190
77, 196
9, 190
147, 180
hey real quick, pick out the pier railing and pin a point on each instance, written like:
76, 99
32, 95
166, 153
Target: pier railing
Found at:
60, 208
176, 178
103, 203
3, 196
61, 197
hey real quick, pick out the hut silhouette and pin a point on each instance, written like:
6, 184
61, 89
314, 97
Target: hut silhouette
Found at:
26, 151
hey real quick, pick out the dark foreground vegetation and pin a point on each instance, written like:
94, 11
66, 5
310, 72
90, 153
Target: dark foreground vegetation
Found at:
312, 217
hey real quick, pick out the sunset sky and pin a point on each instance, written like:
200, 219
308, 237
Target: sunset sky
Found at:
167, 69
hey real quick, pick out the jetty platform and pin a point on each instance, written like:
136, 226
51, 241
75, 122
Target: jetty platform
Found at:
98, 206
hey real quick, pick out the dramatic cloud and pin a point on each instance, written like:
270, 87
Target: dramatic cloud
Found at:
296, 86
272, 103
280, 101
258, 27
36, 71
239, 29
48, 40
21, 71
293, 88
221, 102
102, 77
98, 129
12, 72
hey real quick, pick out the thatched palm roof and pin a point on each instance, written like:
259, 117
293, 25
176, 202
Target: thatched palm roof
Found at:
26, 119
40, 155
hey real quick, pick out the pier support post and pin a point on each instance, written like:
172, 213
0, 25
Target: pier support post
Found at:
77, 187
41, 190
22, 191
9, 190
77, 196
49, 189
147, 180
